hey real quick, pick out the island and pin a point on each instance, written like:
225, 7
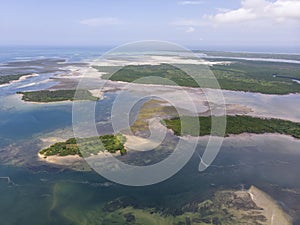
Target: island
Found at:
239, 75
45, 96
86, 146
235, 125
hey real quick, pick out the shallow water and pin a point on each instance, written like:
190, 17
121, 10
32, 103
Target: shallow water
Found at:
242, 162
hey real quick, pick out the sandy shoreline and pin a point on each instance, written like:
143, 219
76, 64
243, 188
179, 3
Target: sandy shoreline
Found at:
61, 160
271, 210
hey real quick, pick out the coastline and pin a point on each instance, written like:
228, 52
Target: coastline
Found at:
272, 211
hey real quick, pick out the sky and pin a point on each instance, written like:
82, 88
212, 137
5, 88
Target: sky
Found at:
190, 23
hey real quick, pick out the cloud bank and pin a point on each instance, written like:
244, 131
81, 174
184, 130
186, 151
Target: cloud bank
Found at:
250, 10
280, 10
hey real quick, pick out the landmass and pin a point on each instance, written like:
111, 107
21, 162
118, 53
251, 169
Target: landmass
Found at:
235, 125
86, 146
249, 76
45, 96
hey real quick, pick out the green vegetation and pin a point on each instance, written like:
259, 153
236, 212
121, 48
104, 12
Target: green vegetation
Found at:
258, 77
87, 146
250, 76
57, 95
8, 78
133, 72
235, 125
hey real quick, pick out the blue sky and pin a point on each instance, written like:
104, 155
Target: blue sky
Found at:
191, 23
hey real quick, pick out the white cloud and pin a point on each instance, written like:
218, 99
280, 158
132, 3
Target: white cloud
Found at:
190, 2
238, 15
250, 10
190, 30
93, 22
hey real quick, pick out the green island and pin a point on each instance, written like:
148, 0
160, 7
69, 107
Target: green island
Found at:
8, 78
240, 75
235, 125
87, 146
57, 95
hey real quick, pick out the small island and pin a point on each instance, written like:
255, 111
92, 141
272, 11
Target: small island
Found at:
44, 96
235, 125
87, 146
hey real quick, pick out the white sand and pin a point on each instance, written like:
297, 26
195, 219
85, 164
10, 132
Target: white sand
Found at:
62, 160
140, 144
272, 211
153, 60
